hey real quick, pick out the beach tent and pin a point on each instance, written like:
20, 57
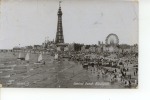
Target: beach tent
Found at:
27, 57
40, 58
21, 56
56, 56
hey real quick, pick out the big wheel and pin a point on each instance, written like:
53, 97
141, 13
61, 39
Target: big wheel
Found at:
112, 39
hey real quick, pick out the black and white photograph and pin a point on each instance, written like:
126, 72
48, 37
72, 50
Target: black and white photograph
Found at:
69, 44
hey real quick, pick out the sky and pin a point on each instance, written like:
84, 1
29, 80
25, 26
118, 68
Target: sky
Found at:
28, 22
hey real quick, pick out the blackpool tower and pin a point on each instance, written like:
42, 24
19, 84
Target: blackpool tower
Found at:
59, 34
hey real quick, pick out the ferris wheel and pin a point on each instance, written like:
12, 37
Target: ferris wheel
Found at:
112, 39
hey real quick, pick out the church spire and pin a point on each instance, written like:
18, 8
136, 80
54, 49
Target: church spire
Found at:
59, 34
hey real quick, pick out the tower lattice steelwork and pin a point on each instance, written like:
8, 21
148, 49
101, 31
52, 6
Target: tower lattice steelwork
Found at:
59, 35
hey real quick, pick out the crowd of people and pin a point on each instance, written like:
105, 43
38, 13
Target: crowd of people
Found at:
113, 67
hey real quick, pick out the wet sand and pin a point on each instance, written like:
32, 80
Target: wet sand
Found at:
54, 74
